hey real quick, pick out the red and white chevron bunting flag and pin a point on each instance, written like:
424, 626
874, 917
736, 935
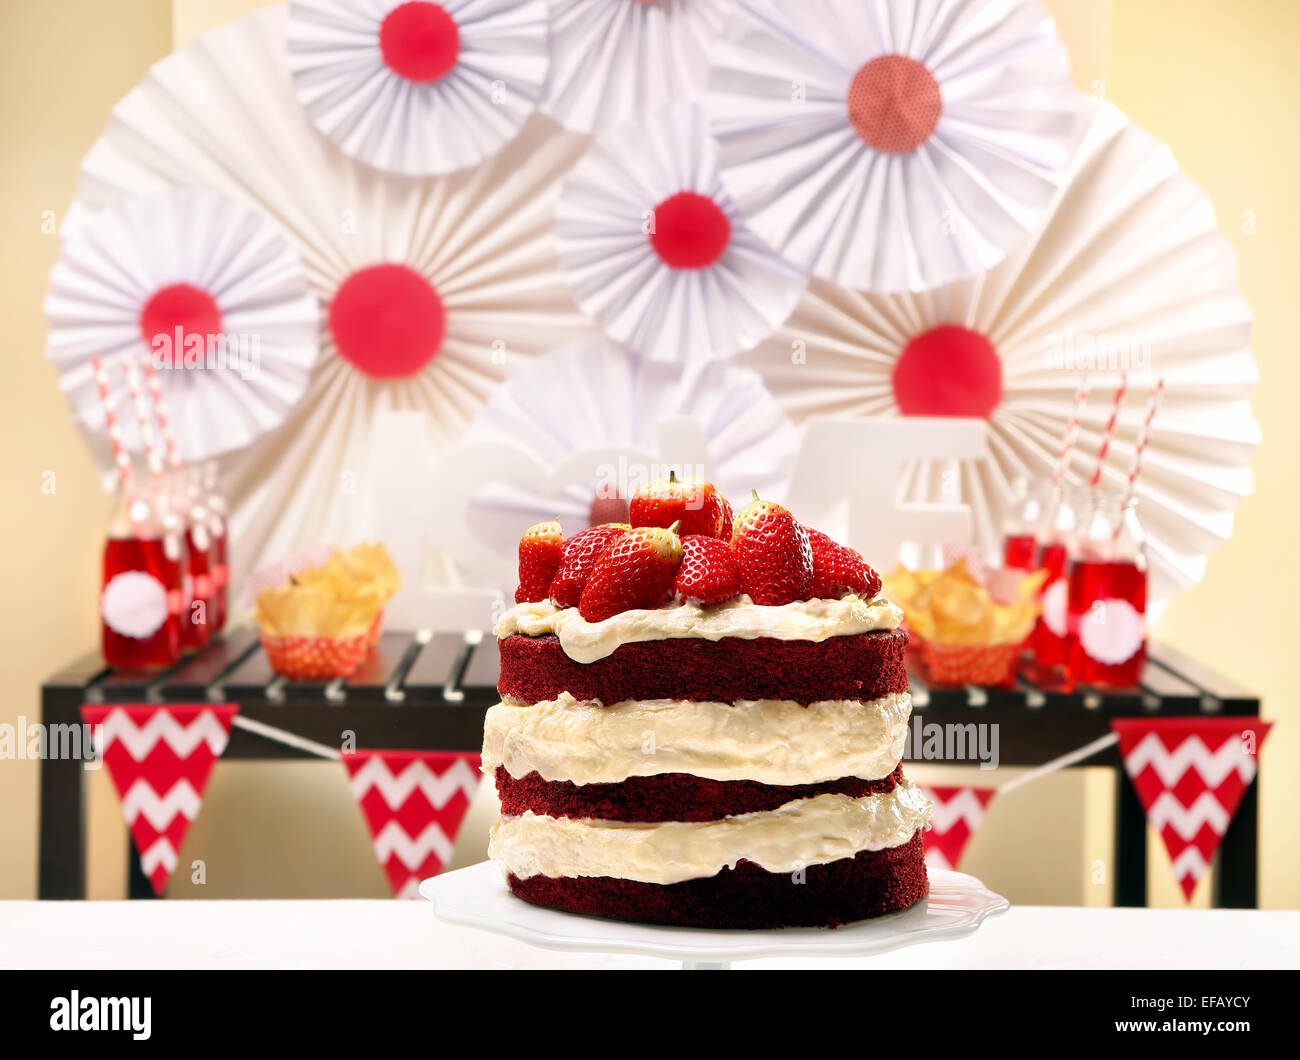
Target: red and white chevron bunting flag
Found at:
957, 813
1190, 775
414, 803
159, 757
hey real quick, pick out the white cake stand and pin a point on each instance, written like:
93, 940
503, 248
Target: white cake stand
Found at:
477, 897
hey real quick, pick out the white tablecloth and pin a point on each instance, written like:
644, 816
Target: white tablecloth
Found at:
376, 934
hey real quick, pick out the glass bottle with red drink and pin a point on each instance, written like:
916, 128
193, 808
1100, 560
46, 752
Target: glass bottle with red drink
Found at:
1108, 595
140, 601
1024, 525
218, 531
196, 625
1050, 641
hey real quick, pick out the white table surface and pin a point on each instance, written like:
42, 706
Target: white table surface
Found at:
406, 934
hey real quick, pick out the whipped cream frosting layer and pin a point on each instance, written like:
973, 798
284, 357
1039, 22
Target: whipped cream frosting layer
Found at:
800, 833
815, 620
773, 741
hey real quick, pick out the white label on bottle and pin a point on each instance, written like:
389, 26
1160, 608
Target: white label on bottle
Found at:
134, 604
1111, 631
1056, 603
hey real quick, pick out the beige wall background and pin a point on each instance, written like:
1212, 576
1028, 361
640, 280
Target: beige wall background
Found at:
1212, 78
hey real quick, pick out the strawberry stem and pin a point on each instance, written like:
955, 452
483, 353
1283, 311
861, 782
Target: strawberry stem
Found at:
672, 475
673, 529
755, 493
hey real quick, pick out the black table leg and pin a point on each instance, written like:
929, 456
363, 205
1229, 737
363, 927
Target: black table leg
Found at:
1130, 844
62, 869
137, 883
1238, 855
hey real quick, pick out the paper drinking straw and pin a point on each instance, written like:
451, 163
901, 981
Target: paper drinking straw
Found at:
1072, 430
1144, 436
120, 456
150, 442
1109, 432
160, 413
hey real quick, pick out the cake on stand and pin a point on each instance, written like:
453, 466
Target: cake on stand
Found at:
477, 897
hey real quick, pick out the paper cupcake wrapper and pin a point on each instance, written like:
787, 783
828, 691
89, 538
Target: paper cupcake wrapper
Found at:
990, 665
316, 658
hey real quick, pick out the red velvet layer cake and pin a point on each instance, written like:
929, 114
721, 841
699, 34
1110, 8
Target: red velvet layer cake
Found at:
706, 730
863, 666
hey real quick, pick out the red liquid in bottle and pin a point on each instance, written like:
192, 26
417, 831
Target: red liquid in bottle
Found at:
219, 573
1051, 635
1108, 603
1019, 551
140, 604
196, 624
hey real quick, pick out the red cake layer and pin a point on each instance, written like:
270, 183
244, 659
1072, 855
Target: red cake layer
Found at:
862, 666
668, 796
870, 884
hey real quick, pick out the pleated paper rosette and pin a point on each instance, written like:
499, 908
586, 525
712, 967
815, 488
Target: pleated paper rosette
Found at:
593, 394
431, 289
891, 145
611, 59
656, 251
417, 87
1128, 271
204, 288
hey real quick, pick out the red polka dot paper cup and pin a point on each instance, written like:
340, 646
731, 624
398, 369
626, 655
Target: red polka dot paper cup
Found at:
315, 658
376, 628
991, 665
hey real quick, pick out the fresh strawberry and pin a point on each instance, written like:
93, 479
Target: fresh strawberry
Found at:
635, 571
539, 555
772, 549
709, 573
727, 517
695, 504
838, 569
580, 554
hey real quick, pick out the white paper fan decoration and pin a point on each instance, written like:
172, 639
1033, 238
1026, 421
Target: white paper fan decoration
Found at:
891, 145
593, 393
436, 287
655, 250
1128, 271
414, 86
205, 288
611, 59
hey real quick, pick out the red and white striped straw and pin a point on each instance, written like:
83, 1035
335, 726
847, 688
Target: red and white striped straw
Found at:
1072, 430
1144, 436
1109, 432
120, 456
160, 413
147, 438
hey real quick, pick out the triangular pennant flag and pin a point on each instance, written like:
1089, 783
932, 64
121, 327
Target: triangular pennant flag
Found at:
414, 803
159, 757
1190, 775
958, 812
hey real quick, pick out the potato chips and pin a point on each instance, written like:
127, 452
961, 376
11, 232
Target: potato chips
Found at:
952, 606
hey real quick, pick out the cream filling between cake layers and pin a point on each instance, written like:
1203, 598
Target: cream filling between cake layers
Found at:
800, 833
815, 620
773, 741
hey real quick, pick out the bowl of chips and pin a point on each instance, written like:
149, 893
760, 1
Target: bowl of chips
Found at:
967, 629
321, 621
